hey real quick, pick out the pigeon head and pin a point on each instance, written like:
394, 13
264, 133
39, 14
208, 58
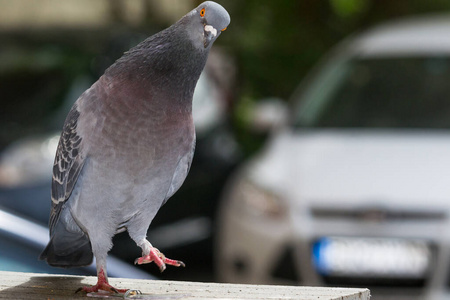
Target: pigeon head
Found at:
176, 54
205, 23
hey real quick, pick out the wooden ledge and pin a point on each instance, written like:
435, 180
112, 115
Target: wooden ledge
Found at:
15, 285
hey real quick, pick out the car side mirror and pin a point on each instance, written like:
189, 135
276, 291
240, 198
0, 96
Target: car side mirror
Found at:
269, 114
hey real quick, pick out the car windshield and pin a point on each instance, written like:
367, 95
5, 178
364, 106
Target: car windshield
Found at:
406, 92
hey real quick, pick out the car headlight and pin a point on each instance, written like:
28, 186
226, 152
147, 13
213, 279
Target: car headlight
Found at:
260, 201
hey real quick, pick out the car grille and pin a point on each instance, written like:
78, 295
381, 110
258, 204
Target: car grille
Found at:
377, 214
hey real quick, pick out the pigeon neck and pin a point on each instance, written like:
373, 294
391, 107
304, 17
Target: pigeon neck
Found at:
166, 63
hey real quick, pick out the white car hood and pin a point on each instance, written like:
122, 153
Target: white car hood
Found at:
349, 167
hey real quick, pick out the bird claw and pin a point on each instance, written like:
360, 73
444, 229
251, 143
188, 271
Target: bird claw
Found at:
101, 289
160, 260
102, 286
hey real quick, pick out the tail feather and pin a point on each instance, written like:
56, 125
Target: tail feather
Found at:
68, 249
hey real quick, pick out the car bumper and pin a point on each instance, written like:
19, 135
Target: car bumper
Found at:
255, 249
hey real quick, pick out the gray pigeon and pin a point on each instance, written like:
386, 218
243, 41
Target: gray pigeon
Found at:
127, 146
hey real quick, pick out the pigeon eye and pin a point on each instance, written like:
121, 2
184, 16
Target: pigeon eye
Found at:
202, 13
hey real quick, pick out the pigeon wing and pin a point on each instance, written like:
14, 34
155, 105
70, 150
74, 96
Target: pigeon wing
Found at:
67, 166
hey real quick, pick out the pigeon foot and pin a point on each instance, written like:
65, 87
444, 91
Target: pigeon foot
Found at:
160, 260
102, 286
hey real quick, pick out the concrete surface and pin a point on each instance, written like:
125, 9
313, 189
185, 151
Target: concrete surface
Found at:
15, 285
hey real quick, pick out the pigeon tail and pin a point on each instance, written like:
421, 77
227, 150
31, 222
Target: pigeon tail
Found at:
68, 249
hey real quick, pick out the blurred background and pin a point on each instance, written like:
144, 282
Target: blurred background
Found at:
323, 142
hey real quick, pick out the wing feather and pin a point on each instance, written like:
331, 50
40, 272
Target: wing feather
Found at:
67, 165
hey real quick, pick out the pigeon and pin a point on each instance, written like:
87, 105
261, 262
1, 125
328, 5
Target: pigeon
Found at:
127, 145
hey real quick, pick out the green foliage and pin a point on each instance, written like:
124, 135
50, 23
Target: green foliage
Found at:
277, 42
349, 8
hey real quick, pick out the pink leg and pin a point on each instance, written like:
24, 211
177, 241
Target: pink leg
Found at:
102, 284
160, 260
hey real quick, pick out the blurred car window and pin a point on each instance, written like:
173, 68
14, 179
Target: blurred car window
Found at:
387, 92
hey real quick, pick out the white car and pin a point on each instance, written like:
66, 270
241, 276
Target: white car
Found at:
355, 191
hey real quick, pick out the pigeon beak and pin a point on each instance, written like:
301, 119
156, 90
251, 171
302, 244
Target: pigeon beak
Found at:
210, 34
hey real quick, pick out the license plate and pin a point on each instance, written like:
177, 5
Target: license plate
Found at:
371, 257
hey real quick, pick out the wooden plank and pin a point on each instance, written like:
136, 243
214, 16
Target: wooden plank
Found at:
14, 285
